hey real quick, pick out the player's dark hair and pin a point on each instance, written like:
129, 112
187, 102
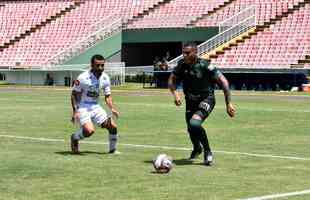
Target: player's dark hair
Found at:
96, 57
190, 44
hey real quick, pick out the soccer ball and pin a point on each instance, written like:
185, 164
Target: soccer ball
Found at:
162, 163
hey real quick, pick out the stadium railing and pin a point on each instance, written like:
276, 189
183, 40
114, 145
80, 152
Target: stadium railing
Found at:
235, 26
109, 27
133, 71
237, 18
115, 70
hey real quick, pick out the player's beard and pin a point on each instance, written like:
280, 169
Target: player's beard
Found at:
97, 72
190, 60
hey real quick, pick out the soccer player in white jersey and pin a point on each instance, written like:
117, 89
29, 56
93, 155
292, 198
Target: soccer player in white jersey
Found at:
86, 108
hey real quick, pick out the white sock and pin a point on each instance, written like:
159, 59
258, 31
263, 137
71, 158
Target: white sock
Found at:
112, 141
78, 135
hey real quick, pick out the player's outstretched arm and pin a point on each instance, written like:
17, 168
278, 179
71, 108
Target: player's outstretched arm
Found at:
109, 102
230, 109
172, 87
75, 100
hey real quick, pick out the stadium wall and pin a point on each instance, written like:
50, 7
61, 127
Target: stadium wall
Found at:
110, 48
38, 77
168, 35
262, 80
140, 47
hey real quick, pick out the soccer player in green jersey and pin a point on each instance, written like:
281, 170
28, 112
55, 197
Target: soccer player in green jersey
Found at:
199, 80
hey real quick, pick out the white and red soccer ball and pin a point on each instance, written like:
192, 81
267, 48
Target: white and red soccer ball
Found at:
162, 163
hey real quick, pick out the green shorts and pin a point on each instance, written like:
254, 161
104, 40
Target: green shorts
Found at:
202, 107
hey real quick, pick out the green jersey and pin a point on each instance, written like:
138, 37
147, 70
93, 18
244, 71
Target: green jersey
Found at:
198, 79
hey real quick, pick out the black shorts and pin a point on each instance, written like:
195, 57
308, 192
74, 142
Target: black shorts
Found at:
202, 107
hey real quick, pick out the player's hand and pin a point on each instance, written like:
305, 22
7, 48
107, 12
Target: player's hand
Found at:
115, 112
230, 109
177, 101
75, 117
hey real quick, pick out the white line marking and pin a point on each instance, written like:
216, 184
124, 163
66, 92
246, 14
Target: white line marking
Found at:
33, 138
264, 155
164, 91
160, 147
162, 105
260, 109
274, 196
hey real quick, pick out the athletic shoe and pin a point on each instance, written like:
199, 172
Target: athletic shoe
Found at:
74, 145
208, 158
114, 151
195, 153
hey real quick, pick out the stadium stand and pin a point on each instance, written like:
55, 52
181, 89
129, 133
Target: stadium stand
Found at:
177, 13
38, 30
280, 46
63, 30
20, 20
265, 10
19, 17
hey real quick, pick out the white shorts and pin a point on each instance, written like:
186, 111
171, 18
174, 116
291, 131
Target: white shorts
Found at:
92, 113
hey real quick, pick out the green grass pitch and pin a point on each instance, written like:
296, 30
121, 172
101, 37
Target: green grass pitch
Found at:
267, 125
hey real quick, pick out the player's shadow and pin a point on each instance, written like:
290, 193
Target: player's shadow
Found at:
183, 161
82, 153
176, 162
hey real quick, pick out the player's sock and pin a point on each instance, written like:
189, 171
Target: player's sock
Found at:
78, 135
204, 140
196, 126
195, 141
112, 139
192, 134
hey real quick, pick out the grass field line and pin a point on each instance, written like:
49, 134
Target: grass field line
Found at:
217, 106
162, 91
277, 196
160, 147
171, 105
164, 105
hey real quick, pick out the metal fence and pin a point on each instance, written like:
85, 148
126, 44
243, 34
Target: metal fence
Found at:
109, 27
229, 29
236, 19
36, 74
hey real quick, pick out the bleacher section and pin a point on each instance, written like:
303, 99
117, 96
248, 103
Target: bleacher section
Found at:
32, 31
64, 31
176, 14
265, 10
281, 45
17, 18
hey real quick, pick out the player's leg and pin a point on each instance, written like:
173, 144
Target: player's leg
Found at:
204, 109
196, 125
193, 136
86, 130
111, 126
101, 118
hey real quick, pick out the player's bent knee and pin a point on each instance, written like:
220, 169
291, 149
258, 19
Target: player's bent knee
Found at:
113, 124
113, 131
197, 116
195, 123
109, 124
87, 132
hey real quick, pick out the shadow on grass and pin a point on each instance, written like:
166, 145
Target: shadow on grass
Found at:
178, 162
82, 153
182, 161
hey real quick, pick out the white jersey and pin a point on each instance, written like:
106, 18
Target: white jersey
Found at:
90, 86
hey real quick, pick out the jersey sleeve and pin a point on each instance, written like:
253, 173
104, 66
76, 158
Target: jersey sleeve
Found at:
178, 70
106, 86
214, 71
77, 85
